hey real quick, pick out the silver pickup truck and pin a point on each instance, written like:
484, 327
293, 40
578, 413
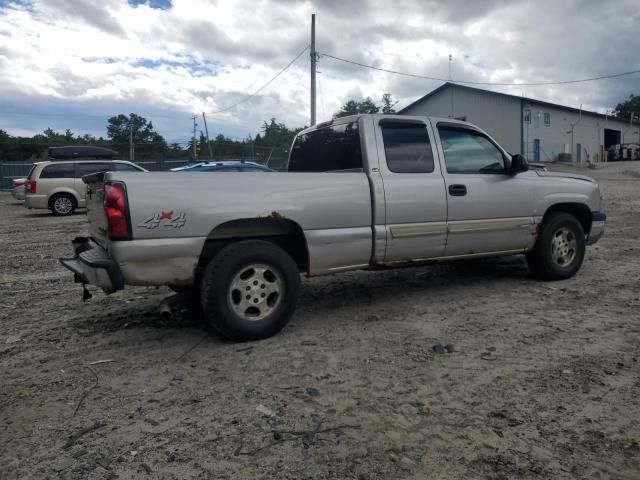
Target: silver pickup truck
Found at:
361, 192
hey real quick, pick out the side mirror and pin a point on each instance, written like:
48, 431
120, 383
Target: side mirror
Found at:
518, 164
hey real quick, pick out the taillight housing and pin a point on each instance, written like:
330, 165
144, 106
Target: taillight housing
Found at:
16, 183
31, 186
116, 209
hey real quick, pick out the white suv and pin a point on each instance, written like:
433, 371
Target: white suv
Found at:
58, 186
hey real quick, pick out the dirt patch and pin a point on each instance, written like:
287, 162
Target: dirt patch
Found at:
631, 173
542, 380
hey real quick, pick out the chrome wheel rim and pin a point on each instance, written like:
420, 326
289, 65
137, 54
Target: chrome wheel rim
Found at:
256, 291
63, 205
563, 247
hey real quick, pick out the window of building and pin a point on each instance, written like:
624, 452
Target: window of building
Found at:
468, 151
327, 149
527, 116
547, 119
58, 170
407, 147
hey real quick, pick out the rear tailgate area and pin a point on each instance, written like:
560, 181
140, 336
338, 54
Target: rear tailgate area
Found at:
98, 225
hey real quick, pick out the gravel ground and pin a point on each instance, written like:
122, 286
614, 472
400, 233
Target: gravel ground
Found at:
543, 382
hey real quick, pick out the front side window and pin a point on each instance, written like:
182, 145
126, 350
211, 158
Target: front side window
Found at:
468, 151
327, 149
58, 170
407, 147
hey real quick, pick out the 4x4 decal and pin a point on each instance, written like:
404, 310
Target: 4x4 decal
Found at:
164, 219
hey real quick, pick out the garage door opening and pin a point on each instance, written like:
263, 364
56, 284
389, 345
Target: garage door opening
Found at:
611, 137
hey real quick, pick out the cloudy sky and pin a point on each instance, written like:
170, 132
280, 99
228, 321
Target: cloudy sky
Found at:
73, 63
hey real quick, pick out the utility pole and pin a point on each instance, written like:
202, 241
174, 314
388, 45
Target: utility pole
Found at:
313, 69
253, 149
195, 153
451, 88
207, 132
131, 150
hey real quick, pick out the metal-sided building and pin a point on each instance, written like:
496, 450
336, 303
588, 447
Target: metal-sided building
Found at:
539, 130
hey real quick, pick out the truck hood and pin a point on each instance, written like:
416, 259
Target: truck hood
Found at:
565, 175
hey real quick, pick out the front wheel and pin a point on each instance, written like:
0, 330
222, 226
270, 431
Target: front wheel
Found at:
559, 250
62, 204
250, 290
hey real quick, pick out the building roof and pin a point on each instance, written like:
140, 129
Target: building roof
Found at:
446, 85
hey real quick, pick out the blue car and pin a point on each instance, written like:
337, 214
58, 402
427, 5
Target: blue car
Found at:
228, 166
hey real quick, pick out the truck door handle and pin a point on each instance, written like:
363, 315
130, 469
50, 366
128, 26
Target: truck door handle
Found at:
458, 190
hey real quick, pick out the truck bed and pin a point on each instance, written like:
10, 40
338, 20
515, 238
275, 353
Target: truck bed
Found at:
169, 210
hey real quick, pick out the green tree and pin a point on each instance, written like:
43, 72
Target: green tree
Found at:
50, 133
52, 137
354, 107
388, 104
87, 138
274, 134
628, 107
119, 129
148, 142
274, 142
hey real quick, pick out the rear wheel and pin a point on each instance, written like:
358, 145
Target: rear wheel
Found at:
250, 290
181, 288
62, 204
559, 250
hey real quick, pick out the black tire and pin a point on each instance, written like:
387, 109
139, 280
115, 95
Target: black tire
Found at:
63, 204
249, 290
559, 250
182, 288
192, 292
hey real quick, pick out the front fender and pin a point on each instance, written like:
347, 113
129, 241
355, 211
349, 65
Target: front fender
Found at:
567, 192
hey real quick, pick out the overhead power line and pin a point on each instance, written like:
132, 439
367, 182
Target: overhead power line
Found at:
468, 82
251, 95
248, 97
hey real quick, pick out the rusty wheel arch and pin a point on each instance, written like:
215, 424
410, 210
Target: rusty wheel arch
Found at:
274, 228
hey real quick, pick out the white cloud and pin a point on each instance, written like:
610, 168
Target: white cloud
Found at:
109, 57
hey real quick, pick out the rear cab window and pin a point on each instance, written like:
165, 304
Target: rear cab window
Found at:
334, 148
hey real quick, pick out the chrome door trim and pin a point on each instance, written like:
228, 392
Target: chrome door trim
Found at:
456, 257
403, 230
465, 226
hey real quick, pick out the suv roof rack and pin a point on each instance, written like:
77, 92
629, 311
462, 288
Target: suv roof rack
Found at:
81, 151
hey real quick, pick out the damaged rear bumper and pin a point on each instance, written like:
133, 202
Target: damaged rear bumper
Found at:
92, 265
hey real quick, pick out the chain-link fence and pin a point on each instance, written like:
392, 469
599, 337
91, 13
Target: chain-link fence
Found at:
10, 170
